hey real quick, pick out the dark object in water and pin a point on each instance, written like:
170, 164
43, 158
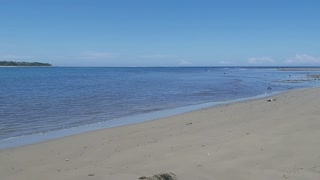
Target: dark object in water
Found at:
269, 88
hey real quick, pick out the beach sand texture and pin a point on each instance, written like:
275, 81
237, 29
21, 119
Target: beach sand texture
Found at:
258, 139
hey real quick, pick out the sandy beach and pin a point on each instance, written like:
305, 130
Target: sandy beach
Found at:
271, 138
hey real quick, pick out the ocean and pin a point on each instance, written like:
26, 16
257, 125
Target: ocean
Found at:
38, 104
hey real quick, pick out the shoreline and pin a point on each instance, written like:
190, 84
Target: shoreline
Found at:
25, 140
247, 140
299, 68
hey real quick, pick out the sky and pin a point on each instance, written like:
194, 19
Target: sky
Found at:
161, 32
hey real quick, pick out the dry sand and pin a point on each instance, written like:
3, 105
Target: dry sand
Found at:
252, 140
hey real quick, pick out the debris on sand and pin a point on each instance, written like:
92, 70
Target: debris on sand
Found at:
270, 100
161, 176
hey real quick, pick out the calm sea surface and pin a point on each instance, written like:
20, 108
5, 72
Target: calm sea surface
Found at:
40, 100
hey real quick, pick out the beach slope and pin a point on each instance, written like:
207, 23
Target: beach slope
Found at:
257, 139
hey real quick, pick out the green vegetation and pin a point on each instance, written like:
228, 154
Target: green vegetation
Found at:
14, 63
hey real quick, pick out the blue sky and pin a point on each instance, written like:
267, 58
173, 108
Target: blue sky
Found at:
161, 32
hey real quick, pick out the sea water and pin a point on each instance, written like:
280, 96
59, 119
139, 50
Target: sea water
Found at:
45, 103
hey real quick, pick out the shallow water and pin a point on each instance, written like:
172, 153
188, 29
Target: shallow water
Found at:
41, 100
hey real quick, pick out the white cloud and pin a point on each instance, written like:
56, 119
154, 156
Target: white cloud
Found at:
185, 62
8, 45
260, 60
225, 62
90, 55
158, 56
15, 57
87, 58
303, 59
98, 55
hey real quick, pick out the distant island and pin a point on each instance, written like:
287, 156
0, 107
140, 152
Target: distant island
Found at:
14, 63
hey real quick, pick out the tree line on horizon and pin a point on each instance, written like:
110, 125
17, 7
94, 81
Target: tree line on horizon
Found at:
14, 63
